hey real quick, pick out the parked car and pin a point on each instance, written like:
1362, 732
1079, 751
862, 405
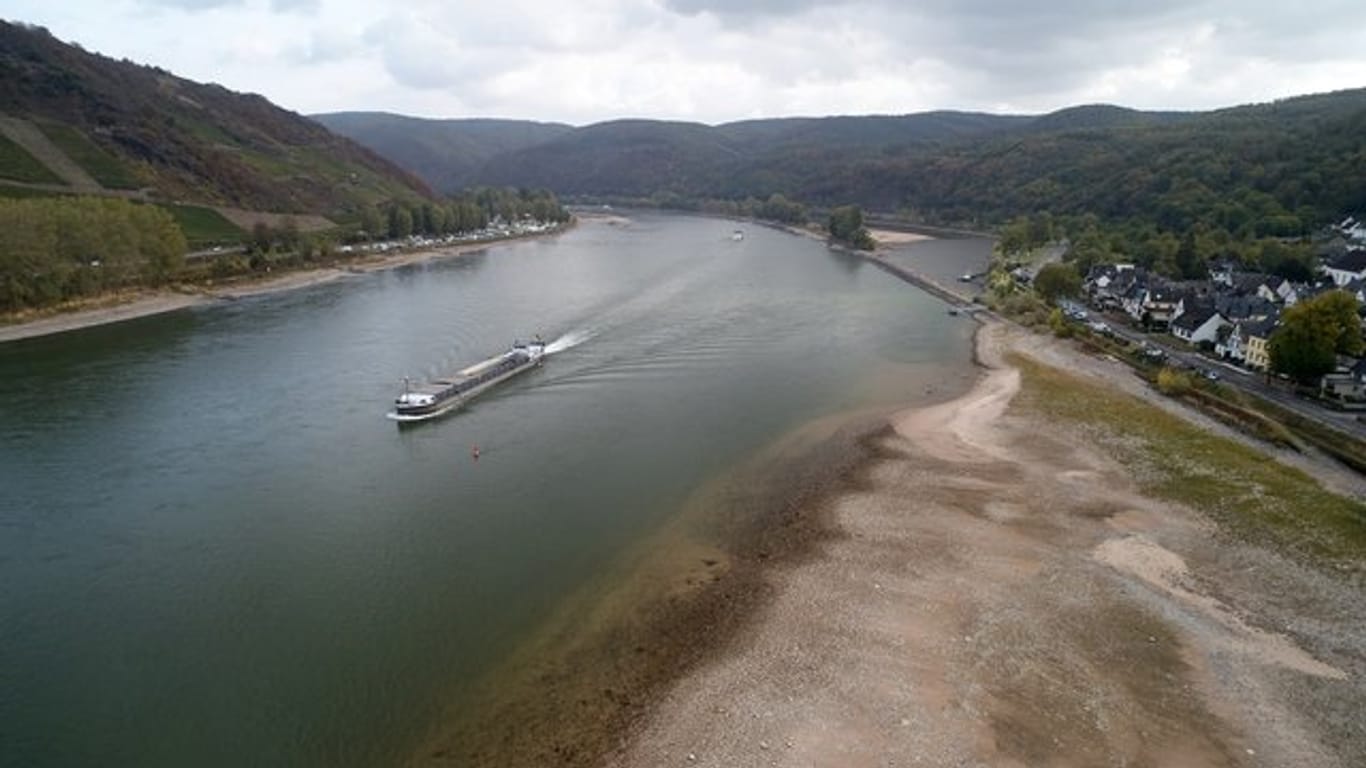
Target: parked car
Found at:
1097, 326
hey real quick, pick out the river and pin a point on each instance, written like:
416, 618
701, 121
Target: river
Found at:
216, 550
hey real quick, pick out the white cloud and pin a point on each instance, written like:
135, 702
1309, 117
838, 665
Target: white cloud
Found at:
718, 60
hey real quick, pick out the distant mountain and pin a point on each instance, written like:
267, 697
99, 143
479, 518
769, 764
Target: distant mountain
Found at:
644, 157
1099, 116
98, 124
1295, 160
444, 153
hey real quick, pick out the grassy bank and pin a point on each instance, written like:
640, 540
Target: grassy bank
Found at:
1250, 496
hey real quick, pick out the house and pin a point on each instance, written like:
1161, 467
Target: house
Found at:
1357, 288
1253, 283
1235, 308
1352, 229
1105, 283
1256, 334
1346, 382
1157, 305
1200, 323
1228, 342
1346, 268
1221, 272
1288, 293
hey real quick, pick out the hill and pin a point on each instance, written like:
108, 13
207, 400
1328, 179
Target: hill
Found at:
80, 122
1274, 168
645, 157
444, 153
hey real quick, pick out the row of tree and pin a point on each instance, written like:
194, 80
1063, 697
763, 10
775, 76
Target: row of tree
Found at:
466, 212
58, 249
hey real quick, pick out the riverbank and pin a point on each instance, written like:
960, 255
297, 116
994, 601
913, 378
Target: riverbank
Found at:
117, 308
1001, 590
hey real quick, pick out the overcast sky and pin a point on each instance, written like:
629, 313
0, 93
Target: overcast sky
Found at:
581, 61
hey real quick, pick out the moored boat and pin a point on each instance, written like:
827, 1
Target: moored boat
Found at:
425, 401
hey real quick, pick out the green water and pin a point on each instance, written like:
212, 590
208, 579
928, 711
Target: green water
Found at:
216, 550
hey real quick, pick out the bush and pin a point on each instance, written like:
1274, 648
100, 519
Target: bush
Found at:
1173, 383
1058, 323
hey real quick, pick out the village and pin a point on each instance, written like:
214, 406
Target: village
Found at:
1231, 315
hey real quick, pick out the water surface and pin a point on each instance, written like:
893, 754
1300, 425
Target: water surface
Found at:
215, 550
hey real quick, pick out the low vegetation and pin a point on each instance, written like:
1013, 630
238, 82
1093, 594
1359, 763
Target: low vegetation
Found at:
102, 166
17, 164
204, 227
1260, 500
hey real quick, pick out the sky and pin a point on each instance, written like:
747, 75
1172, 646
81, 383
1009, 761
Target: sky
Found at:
713, 61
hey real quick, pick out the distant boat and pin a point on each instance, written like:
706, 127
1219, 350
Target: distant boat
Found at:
737, 235
437, 397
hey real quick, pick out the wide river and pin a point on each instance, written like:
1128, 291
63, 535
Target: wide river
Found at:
216, 550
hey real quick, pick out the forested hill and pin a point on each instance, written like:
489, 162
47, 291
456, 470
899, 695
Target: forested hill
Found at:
444, 153
1281, 165
78, 119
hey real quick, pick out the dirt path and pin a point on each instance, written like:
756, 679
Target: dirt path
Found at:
999, 595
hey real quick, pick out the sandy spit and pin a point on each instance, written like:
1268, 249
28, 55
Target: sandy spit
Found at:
890, 237
998, 594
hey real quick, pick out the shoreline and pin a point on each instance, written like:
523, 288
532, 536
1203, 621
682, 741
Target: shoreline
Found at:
991, 589
120, 307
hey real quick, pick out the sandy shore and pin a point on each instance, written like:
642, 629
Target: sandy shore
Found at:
132, 306
890, 237
995, 592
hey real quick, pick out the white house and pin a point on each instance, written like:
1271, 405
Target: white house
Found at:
1347, 381
1197, 324
1347, 267
1352, 229
1229, 344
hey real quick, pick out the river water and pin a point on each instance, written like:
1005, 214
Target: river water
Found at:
216, 550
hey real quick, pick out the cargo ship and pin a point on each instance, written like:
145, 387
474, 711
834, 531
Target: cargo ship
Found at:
425, 401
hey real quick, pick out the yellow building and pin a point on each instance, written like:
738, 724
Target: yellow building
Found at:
1256, 353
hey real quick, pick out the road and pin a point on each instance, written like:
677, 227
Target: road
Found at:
1238, 378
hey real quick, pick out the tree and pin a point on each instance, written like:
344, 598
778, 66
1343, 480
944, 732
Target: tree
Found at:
372, 224
1056, 281
400, 221
1312, 333
846, 226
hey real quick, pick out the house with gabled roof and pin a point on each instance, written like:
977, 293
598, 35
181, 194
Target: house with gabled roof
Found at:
1356, 288
1228, 343
1352, 229
1158, 304
1199, 323
1347, 267
1105, 283
1235, 308
1254, 283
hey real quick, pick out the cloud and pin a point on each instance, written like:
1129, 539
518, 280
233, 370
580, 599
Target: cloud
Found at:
719, 60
